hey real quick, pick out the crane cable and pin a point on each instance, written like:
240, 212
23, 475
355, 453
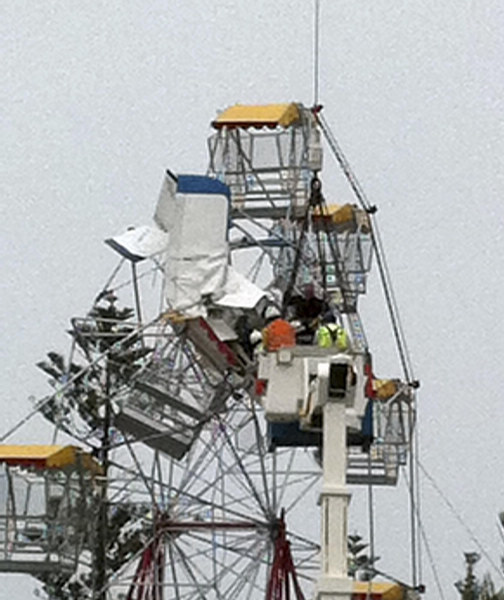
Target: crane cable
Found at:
316, 52
461, 521
432, 562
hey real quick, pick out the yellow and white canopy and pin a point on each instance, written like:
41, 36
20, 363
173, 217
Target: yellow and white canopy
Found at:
47, 457
258, 116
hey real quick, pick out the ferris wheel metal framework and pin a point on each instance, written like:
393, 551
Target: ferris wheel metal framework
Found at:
200, 493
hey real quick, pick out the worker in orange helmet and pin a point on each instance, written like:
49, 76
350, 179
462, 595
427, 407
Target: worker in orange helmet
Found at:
278, 333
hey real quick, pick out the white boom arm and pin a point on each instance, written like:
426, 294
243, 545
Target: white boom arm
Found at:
333, 582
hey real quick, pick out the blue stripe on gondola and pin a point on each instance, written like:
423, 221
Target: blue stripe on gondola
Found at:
201, 184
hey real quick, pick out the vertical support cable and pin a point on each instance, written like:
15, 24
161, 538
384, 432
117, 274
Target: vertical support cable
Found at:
316, 38
371, 511
418, 510
412, 492
371, 523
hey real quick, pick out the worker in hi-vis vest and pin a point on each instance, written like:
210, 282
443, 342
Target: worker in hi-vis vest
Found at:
331, 334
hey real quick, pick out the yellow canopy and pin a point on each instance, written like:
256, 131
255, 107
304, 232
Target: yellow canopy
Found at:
345, 215
385, 388
379, 590
47, 457
336, 213
266, 115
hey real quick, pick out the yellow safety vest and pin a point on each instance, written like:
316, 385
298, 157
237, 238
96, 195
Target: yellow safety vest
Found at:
332, 335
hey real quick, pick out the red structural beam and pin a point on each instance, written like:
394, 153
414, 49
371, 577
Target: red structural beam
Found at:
283, 571
148, 580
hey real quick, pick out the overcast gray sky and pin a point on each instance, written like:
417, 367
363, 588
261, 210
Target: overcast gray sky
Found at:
98, 98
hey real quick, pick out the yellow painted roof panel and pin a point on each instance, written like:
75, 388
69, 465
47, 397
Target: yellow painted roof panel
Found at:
48, 457
266, 115
383, 590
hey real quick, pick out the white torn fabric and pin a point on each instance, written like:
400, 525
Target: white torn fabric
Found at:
188, 280
239, 292
139, 243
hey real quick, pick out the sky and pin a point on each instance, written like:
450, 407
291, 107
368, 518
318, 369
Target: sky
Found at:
98, 99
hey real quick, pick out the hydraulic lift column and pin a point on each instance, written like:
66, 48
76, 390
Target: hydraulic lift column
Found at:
333, 582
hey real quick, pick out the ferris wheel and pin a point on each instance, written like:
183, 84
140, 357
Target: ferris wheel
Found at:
209, 463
